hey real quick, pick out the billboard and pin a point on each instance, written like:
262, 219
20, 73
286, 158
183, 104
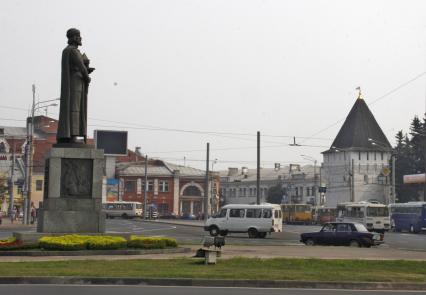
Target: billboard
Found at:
112, 190
114, 143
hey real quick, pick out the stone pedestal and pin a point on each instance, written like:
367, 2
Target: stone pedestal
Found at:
72, 201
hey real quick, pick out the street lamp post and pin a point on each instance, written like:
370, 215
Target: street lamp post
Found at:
309, 158
29, 152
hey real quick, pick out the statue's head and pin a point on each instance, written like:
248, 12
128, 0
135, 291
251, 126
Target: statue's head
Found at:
74, 37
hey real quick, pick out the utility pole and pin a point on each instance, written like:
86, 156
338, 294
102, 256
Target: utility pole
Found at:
145, 190
206, 184
353, 181
29, 161
315, 184
258, 170
393, 180
12, 182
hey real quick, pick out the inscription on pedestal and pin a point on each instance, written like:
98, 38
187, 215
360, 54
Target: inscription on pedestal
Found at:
76, 178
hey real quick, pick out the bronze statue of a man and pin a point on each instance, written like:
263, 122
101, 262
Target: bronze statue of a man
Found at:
74, 87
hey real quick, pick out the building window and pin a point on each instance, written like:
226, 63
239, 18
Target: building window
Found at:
308, 191
381, 155
375, 156
39, 185
359, 156
368, 157
130, 186
244, 192
250, 192
193, 191
150, 185
164, 186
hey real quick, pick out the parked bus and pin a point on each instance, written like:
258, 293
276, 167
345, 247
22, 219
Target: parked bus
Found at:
374, 216
123, 209
409, 216
297, 213
256, 220
321, 215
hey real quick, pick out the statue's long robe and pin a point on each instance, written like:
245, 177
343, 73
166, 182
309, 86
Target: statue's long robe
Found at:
73, 109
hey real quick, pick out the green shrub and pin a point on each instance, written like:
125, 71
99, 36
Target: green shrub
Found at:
79, 242
151, 242
106, 243
66, 243
170, 243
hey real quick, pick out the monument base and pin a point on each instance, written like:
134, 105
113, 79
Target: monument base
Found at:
71, 216
72, 201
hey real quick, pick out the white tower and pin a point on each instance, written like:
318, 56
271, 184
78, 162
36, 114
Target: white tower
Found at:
356, 167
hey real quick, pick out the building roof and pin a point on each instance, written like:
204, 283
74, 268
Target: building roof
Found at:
250, 175
18, 132
157, 168
360, 131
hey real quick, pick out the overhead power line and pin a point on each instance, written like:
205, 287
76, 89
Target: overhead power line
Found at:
373, 102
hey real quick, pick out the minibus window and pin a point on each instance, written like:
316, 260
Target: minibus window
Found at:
267, 213
236, 213
222, 213
253, 213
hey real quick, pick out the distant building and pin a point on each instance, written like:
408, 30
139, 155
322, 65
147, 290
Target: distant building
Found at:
171, 188
238, 186
13, 142
356, 167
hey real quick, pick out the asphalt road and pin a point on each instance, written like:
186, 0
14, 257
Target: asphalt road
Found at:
290, 235
154, 290
194, 235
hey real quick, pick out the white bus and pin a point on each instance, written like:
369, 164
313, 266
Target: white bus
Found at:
123, 209
374, 216
256, 220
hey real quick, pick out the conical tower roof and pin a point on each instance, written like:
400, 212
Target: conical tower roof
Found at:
360, 132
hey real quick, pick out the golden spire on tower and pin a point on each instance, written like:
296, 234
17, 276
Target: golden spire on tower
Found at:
359, 92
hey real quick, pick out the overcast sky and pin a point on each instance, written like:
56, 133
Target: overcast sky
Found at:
284, 68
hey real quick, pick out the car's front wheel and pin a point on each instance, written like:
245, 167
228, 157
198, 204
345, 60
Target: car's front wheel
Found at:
309, 242
354, 243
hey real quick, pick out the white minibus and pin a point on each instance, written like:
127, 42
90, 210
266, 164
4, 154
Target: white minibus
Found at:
123, 209
256, 220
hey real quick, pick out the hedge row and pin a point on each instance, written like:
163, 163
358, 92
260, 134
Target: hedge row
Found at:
79, 242
151, 242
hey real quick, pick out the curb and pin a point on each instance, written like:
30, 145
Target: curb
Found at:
215, 283
29, 253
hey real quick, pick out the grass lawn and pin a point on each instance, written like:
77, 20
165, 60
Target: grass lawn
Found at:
236, 268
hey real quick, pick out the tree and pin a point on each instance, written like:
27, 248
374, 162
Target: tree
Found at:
275, 194
410, 159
